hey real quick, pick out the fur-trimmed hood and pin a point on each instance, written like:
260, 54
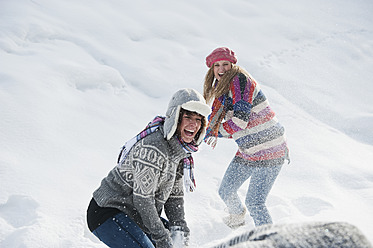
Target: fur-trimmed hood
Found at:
188, 99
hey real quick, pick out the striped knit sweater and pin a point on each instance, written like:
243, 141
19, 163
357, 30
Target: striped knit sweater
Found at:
251, 122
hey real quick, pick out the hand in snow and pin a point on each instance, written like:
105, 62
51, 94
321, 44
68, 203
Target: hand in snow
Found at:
179, 238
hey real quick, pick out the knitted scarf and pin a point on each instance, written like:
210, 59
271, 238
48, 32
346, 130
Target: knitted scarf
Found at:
215, 119
189, 180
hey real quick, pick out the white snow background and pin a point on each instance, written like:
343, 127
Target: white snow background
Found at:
78, 78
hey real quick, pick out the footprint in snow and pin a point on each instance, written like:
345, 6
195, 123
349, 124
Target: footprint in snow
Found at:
19, 211
310, 206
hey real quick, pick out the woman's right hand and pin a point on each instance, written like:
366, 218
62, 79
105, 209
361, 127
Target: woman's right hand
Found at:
212, 141
164, 243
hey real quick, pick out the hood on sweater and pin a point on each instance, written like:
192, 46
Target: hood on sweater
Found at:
188, 99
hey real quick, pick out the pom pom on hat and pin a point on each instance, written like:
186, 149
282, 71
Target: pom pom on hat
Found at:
221, 53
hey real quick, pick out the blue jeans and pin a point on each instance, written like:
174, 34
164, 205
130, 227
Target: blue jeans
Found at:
261, 182
121, 231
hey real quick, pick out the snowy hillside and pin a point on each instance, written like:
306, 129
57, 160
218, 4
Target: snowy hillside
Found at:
79, 78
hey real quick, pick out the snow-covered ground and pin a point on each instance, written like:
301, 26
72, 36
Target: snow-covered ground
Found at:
79, 78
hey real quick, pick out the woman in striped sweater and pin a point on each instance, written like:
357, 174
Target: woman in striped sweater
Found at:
240, 111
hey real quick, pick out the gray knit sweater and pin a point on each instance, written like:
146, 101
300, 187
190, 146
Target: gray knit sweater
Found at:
149, 180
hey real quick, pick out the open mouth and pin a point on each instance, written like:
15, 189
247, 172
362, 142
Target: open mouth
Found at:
189, 133
221, 74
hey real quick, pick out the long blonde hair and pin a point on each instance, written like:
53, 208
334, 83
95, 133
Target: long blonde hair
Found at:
210, 91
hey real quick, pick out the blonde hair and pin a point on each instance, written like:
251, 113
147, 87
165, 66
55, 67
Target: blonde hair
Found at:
210, 91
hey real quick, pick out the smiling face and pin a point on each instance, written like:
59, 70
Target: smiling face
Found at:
189, 125
221, 67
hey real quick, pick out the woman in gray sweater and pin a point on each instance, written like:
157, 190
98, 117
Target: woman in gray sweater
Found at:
125, 210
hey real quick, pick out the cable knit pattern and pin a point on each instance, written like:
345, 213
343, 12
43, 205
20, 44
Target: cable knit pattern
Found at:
149, 179
251, 122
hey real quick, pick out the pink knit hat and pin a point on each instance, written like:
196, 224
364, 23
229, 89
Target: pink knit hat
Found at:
221, 53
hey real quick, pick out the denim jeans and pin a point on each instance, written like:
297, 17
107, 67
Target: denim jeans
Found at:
121, 231
261, 182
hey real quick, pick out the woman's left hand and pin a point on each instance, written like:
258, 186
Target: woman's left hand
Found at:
180, 239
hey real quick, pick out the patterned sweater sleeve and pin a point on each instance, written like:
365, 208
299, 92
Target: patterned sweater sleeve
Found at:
145, 180
240, 100
174, 207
